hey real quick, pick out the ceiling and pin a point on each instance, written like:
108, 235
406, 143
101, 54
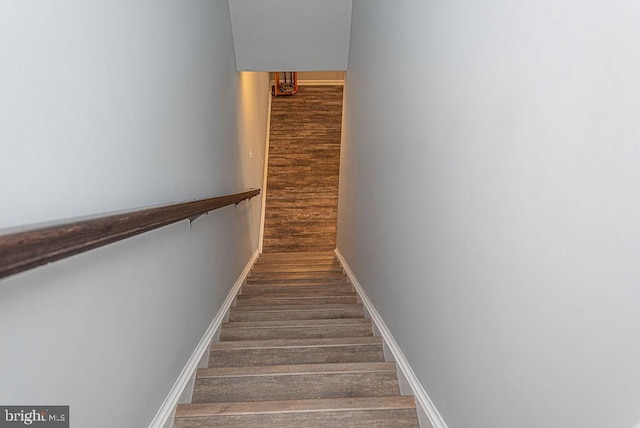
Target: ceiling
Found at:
291, 35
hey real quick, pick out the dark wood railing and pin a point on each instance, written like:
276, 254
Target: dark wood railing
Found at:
31, 248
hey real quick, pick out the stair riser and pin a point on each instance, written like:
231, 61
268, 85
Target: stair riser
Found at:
293, 291
266, 258
297, 267
344, 419
301, 286
290, 387
302, 355
322, 264
304, 332
295, 315
307, 272
295, 307
295, 279
287, 268
292, 257
248, 300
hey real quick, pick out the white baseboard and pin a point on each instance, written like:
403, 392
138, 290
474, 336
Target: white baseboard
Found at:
427, 412
165, 414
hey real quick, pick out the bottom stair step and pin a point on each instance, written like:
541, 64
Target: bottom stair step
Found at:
370, 412
296, 382
296, 351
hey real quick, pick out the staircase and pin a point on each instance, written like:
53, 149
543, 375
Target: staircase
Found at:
297, 352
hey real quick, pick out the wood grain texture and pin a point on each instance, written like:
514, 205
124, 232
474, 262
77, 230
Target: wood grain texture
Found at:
286, 406
26, 250
297, 351
369, 418
249, 300
299, 289
297, 312
369, 412
305, 256
304, 163
295, 329
289, 369
295, 386
288, 382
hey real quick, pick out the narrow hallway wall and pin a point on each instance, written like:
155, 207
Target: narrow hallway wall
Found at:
489, 205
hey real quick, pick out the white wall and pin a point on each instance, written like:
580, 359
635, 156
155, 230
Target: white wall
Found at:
109, 106
321, 75
254, 96
490, 206
291, 35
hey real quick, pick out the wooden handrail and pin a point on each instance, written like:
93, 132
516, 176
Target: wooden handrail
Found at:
25, 250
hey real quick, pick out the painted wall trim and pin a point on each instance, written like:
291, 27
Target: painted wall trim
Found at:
265, 171
167, 408
422, 398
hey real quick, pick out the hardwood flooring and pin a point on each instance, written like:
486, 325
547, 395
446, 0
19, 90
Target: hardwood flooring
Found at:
304, 164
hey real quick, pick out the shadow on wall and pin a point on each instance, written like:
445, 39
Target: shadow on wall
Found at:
252, 128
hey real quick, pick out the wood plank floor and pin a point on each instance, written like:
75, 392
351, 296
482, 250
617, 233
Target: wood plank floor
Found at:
297, 351
304, 163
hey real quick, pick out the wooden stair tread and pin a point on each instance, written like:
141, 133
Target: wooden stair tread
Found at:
295, 406
326, 266
300, 284
292, 280
273, 356
291, 369
266, 258
297, 323
297, 343
295, 382
327, 291
276, 257
296, 282
297, 268
295, 264
296, 256
296, 386
294, 308
301, 288
290, 331
295, 312
297, 274
308, 272
248, 300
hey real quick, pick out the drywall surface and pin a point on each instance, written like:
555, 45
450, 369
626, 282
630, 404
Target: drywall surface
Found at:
291, 35
490, 206
109, 106
321, 75
253, 127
